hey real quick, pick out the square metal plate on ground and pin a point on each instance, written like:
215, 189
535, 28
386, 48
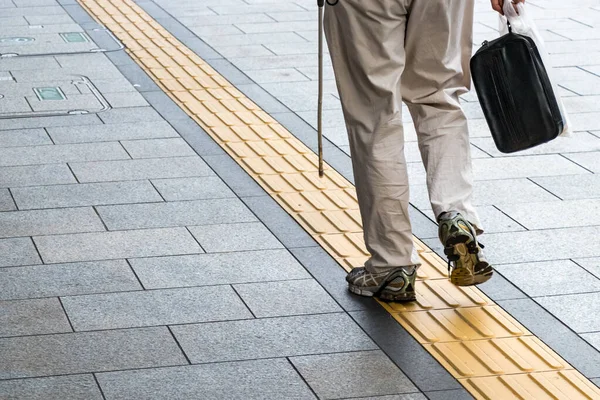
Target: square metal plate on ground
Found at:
74, 37
66, 95
49, 93
44, 40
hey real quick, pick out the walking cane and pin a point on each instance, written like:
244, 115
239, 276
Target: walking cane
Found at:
321, 5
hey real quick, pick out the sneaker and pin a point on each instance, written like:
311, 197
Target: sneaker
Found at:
466, 263
395, 285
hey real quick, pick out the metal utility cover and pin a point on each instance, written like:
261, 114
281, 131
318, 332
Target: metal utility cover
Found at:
74, 37
49, 93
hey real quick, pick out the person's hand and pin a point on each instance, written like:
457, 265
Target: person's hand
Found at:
498, 4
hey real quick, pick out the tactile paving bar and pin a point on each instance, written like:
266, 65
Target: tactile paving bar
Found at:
490, 353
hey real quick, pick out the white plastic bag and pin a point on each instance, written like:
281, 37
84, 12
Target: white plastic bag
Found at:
522, 24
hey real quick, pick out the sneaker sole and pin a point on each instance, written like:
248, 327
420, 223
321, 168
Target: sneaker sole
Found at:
384, 295
464, 273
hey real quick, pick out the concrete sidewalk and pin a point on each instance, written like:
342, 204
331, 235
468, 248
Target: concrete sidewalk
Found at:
125, 258
139, 261
540, 208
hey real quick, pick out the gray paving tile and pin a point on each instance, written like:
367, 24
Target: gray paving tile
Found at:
151, 148
15, 156
24, 137
224, 19
66, 279
248, 380
72, 353
72, 387
589, 160
332, 277
271, 337
179, 189
179, 167
33, 11
334, 376
409, 396
130, 114
596, 381
218, 269
275, 75
263, 98
292, 298
525, 167
239, 51
196, 137
115, 85
305, 102
78, 13
48, 122
18, 251
459, 394
6, 201
85, 194
593, 339
494, 192
405, 351
114, 245
49, 19
500, 288
582, 103
153, 9
572, 187
201, 49
141, 82
493, 220
290, 16
578, 311
592, 265
119, 58
154, 307
217, 42
48, 222
50, 174
560, 214
32, 317
235, 237
125, 99
585, 121
279, 222
576, 351
165, 106
546, 245
550, 278
234, 176
176, 29
580, 142
14, 21
182, 213
273, 27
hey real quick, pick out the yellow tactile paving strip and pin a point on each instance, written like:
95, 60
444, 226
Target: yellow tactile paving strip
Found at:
489, 352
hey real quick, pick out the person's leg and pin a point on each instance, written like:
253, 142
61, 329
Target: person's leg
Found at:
438, 49
366, 43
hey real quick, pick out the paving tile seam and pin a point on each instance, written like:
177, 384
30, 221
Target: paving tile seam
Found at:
191, 364
277, 161
310, 388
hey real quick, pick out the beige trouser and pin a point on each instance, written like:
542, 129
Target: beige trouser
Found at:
383, 52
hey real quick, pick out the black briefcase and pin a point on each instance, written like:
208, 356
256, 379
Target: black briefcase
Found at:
515, 93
